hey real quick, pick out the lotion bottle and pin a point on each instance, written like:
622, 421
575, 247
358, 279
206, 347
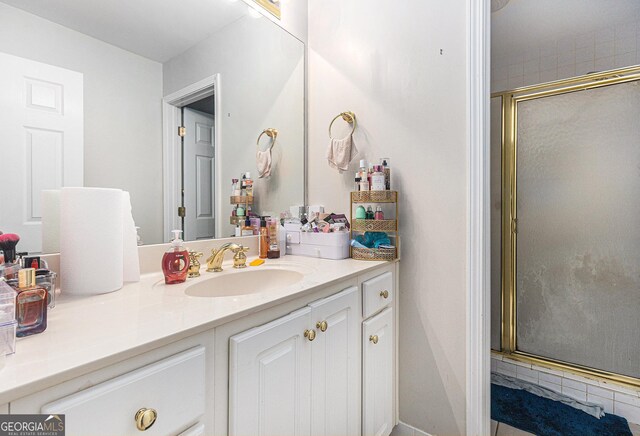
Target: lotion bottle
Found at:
175, 262
264, 238
247, 229
274, 246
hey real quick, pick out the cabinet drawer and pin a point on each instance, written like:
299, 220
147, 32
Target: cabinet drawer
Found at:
377, 293
174, 387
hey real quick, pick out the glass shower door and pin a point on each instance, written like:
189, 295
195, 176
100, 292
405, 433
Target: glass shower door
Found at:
577, 258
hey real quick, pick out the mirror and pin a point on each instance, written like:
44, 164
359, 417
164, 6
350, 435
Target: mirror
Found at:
93, 93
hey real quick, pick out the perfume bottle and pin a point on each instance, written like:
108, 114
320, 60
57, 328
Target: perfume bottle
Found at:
31, 304
175, 262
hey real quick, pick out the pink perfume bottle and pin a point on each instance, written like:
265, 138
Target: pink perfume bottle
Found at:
31, 304
175, 262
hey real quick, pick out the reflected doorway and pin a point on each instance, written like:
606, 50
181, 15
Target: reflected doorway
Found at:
191, 144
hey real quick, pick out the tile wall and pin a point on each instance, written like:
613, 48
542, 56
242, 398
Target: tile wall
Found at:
570, 56
616, 399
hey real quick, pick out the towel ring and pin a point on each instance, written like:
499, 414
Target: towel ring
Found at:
271, 133
349, 117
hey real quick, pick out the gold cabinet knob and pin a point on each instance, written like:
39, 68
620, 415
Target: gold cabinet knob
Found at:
384, 294
310, 334
322, 325
145, 418
374, 339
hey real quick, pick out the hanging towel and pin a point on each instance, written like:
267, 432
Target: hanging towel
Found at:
341, 152
263, 161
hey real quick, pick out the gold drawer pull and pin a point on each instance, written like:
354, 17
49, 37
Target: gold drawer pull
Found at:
374, 339
310, 334
322, 325
145, 418
384, 294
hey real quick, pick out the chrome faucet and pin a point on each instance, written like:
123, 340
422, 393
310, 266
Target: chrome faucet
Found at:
214, 262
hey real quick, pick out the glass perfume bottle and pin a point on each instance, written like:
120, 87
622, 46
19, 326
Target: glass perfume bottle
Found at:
31, 304
175, 262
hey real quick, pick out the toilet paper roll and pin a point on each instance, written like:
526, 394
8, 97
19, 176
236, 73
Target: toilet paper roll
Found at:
91, 240
130, 243
51, 221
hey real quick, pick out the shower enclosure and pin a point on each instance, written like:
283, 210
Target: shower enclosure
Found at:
566, 224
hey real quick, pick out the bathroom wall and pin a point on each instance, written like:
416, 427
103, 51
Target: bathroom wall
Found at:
560, 56
400, 66
122, 94
255, 94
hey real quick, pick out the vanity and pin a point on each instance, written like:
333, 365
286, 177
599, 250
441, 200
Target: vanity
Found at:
297, 346
174, 107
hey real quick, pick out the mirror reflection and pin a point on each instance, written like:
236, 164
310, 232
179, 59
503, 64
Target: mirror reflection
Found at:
166, 100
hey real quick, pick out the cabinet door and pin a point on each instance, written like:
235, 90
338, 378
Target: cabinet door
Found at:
270, 378
335, 365
377, 377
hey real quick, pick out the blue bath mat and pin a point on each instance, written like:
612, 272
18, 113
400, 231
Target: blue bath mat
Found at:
544, 417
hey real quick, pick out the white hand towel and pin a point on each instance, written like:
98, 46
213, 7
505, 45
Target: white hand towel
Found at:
263, 161
341, 152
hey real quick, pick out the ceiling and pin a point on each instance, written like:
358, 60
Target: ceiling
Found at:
155, 29
522, 23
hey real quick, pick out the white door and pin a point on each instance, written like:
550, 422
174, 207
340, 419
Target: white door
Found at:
198, 175
270, 378
41, 143
335, 365
377, 375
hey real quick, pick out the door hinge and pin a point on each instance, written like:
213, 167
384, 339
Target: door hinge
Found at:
182, 211
514, 225
182, 131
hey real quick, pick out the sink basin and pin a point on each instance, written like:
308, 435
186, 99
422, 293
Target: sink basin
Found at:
244, 282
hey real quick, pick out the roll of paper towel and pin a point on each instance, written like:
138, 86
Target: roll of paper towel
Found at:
131, 260
51, 221
91, 240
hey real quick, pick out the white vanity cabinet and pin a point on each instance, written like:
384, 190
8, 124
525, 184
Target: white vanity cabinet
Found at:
161, 392
377, 374
378, 355
322, 363
270, 378
299, 374
335, 365
149, 399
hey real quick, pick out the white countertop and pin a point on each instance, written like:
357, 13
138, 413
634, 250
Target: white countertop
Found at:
86, 333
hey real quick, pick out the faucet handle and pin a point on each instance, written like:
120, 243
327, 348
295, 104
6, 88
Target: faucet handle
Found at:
240, 258
240, 249
194, 263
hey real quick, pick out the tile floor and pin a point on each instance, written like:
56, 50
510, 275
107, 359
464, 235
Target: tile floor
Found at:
502, 429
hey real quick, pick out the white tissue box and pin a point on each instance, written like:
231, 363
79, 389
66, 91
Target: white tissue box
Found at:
323, 245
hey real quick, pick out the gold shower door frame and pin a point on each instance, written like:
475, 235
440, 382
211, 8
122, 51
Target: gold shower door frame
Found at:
509, 218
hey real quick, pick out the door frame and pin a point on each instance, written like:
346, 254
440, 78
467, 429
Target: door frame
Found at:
478, 329
171, 145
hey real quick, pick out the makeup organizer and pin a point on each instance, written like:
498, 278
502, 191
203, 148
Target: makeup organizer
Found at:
359, 226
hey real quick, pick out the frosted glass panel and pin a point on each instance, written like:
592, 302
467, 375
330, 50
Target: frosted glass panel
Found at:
578, 242
496, 201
